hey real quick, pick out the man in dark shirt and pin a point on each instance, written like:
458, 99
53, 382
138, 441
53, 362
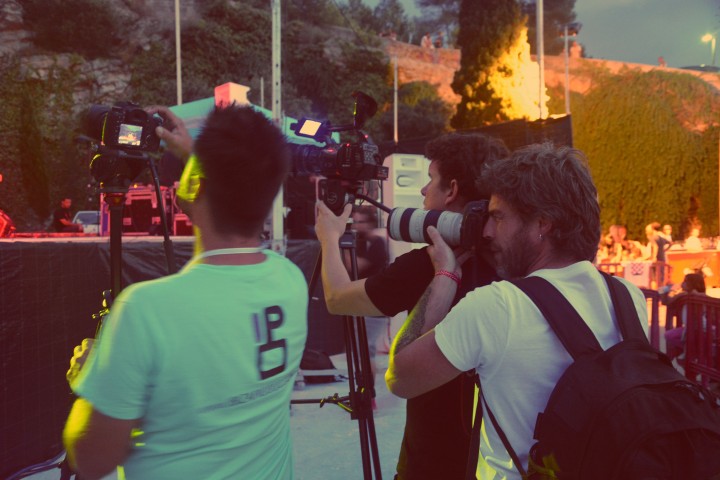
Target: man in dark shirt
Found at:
62, 218
437, 427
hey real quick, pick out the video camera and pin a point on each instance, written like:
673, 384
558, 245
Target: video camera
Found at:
125, 134
457, 229
345, 165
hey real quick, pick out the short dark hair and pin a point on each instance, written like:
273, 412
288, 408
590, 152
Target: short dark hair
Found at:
244, 159
694, 282
461, 156
544, 181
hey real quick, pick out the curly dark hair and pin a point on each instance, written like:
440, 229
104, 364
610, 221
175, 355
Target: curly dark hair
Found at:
461, 156
554, 183
244, 159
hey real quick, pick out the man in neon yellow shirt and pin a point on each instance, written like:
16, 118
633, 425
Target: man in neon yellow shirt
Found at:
192, 374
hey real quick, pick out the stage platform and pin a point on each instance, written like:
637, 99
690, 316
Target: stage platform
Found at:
50, 287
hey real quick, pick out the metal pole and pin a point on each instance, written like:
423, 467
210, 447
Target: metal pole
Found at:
567, 74
395, 101
712, 47
278, 217
540, 55
178, 61
262, 92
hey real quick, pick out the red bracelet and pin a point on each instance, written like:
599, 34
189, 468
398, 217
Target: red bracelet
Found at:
451, 275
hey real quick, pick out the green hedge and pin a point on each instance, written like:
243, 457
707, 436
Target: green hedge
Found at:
652, 144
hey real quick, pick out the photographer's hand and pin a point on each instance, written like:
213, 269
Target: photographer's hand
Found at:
443, 257
328, 226
173, 132
78, 359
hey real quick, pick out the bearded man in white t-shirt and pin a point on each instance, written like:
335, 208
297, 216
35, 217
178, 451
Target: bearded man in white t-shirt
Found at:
544, 220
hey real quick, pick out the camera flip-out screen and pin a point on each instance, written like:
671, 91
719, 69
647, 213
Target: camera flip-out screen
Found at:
130, 134
308, 128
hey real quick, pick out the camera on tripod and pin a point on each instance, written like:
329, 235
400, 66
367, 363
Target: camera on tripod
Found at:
125, 135
345, 165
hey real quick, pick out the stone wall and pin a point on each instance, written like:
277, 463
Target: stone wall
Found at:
106, 80
438, 67
100, 80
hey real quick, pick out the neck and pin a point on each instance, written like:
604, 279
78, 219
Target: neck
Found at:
549, 258
207, 241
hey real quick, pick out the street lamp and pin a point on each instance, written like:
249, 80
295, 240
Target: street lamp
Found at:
569, 29
709, 37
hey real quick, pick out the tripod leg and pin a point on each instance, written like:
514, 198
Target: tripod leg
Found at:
370, 392
361, 391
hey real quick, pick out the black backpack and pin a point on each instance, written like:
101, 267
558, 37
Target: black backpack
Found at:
623, 413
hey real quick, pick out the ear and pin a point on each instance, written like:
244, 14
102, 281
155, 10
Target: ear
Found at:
453, 192
544, 225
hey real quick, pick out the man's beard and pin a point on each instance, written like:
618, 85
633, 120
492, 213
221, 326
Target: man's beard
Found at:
514, 260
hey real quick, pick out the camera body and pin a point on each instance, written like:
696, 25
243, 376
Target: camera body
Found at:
125, 126
131, 127
125, 134
345, 166
347, 161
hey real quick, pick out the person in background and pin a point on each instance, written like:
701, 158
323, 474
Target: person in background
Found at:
693, 243
62, 218
667, 233
191, 375
693, 283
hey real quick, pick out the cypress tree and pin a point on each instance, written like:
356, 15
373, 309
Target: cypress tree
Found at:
489, 29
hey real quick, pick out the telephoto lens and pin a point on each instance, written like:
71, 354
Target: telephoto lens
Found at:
410, 225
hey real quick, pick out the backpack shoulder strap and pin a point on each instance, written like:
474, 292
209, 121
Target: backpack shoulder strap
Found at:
573, 332
625, 311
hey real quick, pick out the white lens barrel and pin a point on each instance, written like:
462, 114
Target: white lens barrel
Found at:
410, 225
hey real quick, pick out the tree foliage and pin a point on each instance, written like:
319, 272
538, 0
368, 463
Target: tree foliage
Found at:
360, 15
421, 113
390, 17
647, 156
38, 154
557, 14
488, 30
85, 27
436, 16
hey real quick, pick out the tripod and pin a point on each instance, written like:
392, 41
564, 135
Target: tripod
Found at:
358, 401
115, 198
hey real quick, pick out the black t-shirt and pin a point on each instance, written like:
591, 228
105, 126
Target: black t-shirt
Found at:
438, 423
374, 250
59, 214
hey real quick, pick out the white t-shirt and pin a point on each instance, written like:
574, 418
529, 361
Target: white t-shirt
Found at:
500, 332
207, 358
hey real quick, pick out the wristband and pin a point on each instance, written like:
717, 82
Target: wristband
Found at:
450, 275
